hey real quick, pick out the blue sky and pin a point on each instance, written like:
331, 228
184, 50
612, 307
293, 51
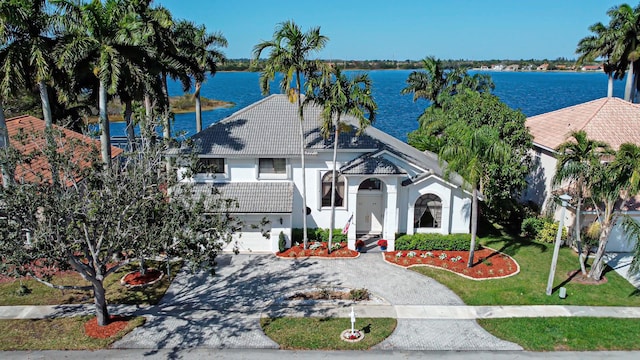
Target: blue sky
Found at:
407, 29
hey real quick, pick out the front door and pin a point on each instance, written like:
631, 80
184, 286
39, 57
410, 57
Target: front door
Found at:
369, 213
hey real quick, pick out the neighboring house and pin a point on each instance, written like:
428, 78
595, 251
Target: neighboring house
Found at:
384, 186
591, 68
38, 168
611, 120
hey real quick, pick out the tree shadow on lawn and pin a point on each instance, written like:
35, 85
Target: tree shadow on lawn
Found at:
511, 245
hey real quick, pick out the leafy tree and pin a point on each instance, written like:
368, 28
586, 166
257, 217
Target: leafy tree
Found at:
576, 157
289, 52
436, 83
614, 183
341, 96
505, 179
95, 213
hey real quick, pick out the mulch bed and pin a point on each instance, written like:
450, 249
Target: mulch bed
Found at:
577, 277
136, 278
298, 251
487, 263
116, 324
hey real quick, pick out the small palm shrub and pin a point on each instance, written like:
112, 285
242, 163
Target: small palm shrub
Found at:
549, 232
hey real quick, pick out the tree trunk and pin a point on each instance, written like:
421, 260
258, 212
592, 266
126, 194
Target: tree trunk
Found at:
131, 135
597, 268
143, 266
4, 143
332, 223
105, 140
149, 128
100, 301
629, 83
578, 228
474, 225
196, 95
609, 85
166, 122
46, 104
305, 240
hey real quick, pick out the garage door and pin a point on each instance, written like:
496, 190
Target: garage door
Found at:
251, 238
618, 241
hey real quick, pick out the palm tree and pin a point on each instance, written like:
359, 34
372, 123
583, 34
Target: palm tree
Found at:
289, 52
26, 30
576, 157
203, 48
615, 181
625, 25
435, 83
341, 96
470, 155
601, 44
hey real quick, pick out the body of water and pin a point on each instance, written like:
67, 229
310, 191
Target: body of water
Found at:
531, 92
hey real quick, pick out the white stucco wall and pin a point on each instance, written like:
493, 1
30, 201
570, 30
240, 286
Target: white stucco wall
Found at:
540, 181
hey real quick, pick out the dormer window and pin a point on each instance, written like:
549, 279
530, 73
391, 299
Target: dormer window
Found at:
273, 166
211, 165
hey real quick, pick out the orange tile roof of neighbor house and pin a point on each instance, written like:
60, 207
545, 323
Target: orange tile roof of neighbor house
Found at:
611, 120
29, 124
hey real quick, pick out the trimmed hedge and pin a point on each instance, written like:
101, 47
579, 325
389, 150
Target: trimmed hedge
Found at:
318, 234
457, 242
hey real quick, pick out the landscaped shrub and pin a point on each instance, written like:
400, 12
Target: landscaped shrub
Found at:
459, 242
282, 242
549, 232
359, 294
317, 234
531, 226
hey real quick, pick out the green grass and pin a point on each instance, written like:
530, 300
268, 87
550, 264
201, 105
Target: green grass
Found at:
528, 287
324, 333
116, 293
55, 334
572, 334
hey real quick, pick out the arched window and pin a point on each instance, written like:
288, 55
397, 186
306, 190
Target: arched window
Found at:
326, 190
427, 212
370, 184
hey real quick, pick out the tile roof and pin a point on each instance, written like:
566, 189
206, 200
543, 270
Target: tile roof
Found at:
611, 120
252, 197
270, 128
39, 168
371, 165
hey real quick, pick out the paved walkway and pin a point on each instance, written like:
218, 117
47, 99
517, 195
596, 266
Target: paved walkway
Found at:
222, 312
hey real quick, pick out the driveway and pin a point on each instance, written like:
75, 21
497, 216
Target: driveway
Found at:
621, 262
223, 311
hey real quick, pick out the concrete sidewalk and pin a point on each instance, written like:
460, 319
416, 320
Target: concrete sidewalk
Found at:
433, 312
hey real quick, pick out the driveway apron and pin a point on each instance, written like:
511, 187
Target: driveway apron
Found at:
223, 311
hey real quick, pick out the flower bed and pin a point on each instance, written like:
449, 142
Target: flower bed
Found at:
116, 324
487, 263
318, 249
136, 279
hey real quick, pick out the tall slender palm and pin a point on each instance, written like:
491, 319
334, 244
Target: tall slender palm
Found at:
203, 47
341, 96
289, 52
577, 156
27, 35
625, 23
601, 44
613, 181
470, 155
434, 83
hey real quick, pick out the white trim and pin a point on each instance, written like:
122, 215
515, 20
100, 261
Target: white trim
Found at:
545, 148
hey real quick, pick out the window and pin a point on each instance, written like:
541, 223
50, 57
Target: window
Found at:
273, 166
427, 212
211, 165
326, 190
370, 184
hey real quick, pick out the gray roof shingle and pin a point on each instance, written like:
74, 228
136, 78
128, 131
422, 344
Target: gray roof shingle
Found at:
253, 197
371, 165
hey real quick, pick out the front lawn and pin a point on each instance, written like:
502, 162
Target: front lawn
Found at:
528, 287
55, 334
567, 334
324, 333
116, 294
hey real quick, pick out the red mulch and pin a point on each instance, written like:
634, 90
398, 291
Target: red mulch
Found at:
298, 251
487, 263
116, 323
577, 277
135, 278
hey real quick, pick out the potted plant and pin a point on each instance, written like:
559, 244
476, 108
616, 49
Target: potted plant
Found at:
383, 244
359, 245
